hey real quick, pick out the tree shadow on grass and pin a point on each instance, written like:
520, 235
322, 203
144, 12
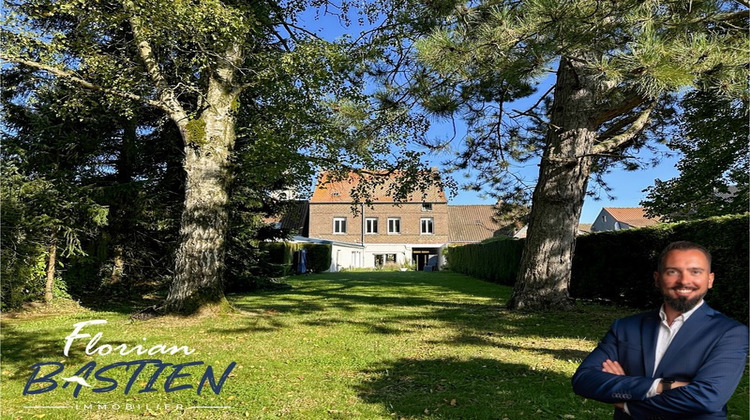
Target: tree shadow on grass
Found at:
405, 307
477, 388
22, 349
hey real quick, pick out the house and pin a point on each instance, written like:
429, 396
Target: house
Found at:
618, 218
411, 232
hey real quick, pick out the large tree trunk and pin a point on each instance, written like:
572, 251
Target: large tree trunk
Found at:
199, 267
544, 274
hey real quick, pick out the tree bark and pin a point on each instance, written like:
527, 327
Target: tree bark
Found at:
51, 261
545, 268
199, 263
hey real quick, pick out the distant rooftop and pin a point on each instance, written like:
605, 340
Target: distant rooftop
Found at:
471, 223
633, 216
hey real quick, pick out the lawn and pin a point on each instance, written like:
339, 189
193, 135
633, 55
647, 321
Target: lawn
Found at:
334, 346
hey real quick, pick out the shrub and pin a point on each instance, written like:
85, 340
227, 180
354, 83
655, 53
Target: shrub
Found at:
318, 257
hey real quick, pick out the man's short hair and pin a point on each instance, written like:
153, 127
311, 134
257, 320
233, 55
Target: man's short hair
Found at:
683, 246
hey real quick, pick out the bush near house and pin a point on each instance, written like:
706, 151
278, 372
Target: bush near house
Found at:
283, 255
618, 266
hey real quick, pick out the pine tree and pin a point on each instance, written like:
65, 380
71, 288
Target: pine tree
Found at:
617, 65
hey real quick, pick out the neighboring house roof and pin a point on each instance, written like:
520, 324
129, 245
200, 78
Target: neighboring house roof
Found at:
583, 228
340, 191
471, 223
632, 216
293, 216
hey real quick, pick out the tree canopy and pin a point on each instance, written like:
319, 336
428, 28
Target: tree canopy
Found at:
256, 101
713, 180
615, 67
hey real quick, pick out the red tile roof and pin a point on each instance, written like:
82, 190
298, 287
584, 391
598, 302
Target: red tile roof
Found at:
471, 223
330, 190
633, 216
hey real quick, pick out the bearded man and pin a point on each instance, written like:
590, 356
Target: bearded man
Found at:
680, 361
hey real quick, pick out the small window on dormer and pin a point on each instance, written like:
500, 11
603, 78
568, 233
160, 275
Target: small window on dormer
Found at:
426, 206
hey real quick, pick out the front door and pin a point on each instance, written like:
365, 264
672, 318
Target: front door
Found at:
421, 257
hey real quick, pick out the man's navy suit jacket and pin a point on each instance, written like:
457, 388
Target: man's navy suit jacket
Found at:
709, 351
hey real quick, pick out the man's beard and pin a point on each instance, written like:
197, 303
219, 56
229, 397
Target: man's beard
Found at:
682, 304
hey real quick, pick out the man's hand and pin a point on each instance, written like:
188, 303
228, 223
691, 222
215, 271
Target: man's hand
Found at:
612, 367
675, 384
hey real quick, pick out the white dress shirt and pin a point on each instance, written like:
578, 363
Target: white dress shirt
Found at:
663, 340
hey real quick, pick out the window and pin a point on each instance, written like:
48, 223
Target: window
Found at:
426, 227
371, 225
394, 225
426, 206
339, 225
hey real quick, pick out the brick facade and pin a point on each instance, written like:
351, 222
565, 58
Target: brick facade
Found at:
409, 214
413, 245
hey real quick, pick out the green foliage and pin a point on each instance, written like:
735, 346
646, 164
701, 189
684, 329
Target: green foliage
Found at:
38, 213
480, 58
713, 181
496, 261
277, 84
619, 266
318, 257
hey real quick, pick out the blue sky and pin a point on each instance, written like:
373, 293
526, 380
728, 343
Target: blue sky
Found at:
627, 189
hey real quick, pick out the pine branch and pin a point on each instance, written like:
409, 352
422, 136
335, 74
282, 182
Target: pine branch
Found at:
64, 74
617, 141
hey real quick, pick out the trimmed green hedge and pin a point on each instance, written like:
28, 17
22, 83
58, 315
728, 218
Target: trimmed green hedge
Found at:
496, 261
619, 266
282, 254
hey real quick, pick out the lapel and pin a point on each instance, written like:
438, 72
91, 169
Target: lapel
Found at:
649, 333
693, 329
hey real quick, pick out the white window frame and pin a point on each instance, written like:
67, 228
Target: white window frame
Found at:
426, 226
339, 228
371, 225
426, 206
391, 221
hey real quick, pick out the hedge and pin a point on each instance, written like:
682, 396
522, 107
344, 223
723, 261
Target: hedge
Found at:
496, 261
283, 254
618, 266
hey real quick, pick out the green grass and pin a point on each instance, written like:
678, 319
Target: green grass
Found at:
379, 345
